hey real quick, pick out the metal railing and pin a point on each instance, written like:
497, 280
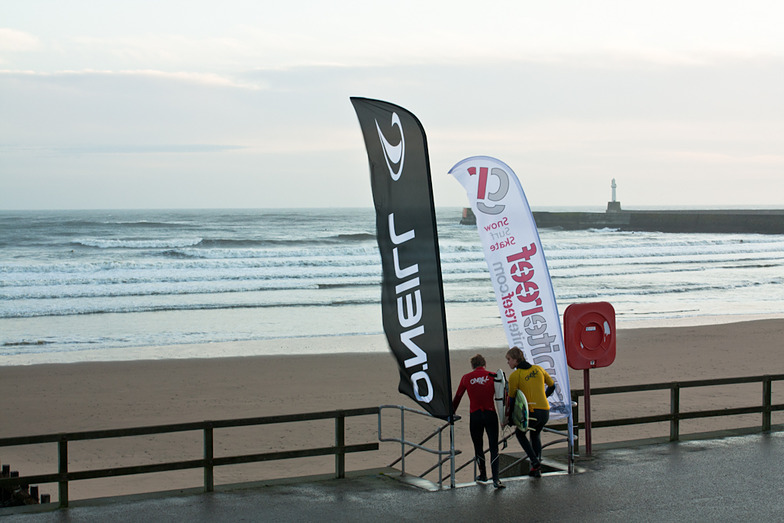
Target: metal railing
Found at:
208, 462
504, 441
63, 476
675, 415
444, 455
438, 432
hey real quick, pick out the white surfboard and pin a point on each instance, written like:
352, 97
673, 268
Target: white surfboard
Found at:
501, 392
520, 415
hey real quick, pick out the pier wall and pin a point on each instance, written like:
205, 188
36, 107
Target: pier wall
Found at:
708, 221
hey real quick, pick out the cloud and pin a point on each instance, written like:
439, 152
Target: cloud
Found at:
210, 79
118, 149
13, 42
280, 137
163, 51
242, 35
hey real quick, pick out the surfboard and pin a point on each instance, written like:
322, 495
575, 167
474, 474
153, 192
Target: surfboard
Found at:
520, 411
501, 392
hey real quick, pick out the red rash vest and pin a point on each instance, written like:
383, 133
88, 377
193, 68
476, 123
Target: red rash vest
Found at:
481, 390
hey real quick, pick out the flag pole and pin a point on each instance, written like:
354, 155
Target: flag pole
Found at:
452, 452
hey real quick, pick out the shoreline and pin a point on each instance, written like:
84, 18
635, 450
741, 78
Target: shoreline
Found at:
459, 339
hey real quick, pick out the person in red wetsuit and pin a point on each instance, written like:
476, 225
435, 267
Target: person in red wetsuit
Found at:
481, 390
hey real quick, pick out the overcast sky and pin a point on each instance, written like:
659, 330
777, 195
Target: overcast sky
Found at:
171, 104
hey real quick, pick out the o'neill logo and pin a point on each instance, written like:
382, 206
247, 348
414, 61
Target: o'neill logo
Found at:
407, 288
409, 311
483, 193
393, 154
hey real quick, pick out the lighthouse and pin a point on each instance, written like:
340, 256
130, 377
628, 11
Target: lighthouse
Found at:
614, 205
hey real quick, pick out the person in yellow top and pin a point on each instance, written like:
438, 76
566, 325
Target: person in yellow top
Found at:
531, 379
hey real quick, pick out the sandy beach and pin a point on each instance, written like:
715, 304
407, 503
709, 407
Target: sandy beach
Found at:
44, 399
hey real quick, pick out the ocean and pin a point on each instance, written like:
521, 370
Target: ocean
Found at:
96, 285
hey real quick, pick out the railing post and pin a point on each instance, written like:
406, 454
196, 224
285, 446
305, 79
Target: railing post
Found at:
440, 461
62, 469
402, 440
767, 401
451, 455
576, 420
675, 409
340, 444
209, 477
587, 403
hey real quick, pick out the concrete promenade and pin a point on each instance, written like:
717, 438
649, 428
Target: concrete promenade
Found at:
730, 479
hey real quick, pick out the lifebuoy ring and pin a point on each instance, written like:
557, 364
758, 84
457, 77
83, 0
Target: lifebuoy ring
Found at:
593, 331
590, 335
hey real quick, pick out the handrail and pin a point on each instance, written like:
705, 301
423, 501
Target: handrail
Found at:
440, 460
414, 447
676, 414
403, 408
63, 476
508, 437
682, 384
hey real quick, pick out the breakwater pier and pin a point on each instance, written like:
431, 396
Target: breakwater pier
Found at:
749, 221
685, 221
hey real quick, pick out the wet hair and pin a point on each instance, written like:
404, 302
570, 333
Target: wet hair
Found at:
516, 354
478, 361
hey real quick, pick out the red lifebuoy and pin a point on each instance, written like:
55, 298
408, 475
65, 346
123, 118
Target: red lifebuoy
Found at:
590, 335
593, 331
